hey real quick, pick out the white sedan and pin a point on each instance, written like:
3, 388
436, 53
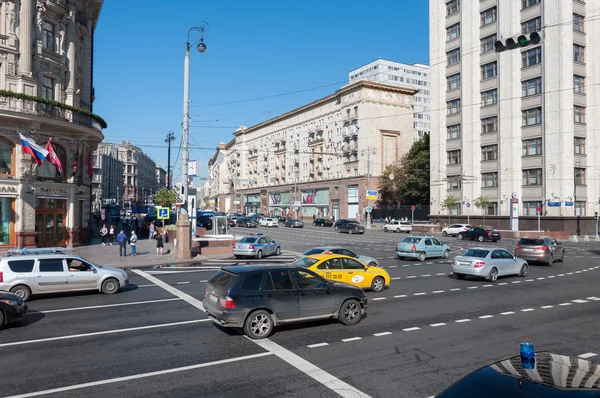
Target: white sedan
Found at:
488, 263
268, 222
455, 229
398, 226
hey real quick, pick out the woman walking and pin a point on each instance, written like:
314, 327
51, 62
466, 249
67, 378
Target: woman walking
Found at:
103, 233
159, 244
132, 241
111, 234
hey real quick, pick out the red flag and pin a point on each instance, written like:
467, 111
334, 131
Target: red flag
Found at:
52, 158
90, 165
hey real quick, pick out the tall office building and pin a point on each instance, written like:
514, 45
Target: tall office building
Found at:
521, 123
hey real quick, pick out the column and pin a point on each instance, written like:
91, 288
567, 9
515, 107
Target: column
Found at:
71, 54
26, 39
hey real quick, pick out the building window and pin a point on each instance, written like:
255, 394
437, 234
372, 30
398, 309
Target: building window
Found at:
453, 82
48, 171
452, 7
48, 40
530, 208
532, 116
453, 106
529, 3
453, 32
7, 221
532, 87
487, 43
532, 147
7, 157
533, 25
489, 152
578, 23
532, 177
489, 125
579, 84
579, 176
578, 53
489, 180
491, 209
580, 208
453, 132
489, 97
454, 157
47, 88
579, 114
453, 57
489, 71
454, 182
579, 146
488, 16
531, 57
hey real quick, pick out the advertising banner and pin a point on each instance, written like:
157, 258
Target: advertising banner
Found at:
315, 196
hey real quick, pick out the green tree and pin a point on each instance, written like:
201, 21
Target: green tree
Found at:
449, 203
388, 187
482, 202
413, 180
165, 197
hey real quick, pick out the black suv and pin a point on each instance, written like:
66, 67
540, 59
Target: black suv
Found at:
258, 298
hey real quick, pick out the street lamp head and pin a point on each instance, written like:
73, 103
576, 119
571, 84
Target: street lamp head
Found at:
201, 47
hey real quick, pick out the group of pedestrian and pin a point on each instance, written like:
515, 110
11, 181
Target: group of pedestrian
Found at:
122, 240
108, 236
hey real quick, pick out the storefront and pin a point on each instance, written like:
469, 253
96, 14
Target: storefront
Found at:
50, 216
279, 203
315, 202
353, 199
252, 203
8, 195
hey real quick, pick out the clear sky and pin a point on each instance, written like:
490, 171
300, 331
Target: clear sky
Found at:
255, 49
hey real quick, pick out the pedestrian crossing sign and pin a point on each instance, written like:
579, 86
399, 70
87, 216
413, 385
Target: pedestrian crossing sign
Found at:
163, 213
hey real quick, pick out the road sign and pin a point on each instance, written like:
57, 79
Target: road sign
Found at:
163, 213
538, 208
368, 209
554, 204
468, 205
372, 194
413, 207
236, 202
568, 203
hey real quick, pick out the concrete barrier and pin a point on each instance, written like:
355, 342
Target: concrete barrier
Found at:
597, 238
586, 238
574, 238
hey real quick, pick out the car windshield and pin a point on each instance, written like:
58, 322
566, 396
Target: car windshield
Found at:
531, 241
315, 250
305, 262
479, 253
248, 239
411, 239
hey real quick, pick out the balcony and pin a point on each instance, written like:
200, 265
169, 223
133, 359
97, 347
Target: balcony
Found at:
280, 147
37, 106
350, 117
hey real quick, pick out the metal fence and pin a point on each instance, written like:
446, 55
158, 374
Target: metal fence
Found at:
421, 213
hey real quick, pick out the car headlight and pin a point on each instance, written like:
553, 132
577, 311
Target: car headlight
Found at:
12, 303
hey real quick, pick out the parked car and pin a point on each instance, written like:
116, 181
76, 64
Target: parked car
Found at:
12, 308
340, 222
370, 261
258, 298
256, 246
421, 248
544, 249
43, 271
454, 229
293, 223
479, 234
231, 222
323, 222
351, 228
246, 222
488, 263
206, 221
281, 218
398, 226
268, 222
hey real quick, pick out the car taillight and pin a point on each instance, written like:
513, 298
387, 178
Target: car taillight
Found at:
465, 228
233, 245
517, 247
545, 248
489, 234
479, 264
453, 262
396, 246
414, 248
251, 247
227, 302
1, 277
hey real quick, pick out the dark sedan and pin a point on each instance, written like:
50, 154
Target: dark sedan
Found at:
351, 228
12, 308
340, 222
247, 222
293, 223
323, 222
479, 234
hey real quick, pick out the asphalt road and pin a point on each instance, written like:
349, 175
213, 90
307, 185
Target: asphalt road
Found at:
420, 335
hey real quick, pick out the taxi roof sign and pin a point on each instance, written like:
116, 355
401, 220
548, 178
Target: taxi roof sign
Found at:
163, 213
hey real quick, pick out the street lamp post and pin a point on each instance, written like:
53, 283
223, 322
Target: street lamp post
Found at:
201, 47
168, 140
368, 152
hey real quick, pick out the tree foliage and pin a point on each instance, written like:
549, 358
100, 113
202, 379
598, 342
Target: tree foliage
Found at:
482, 202
165, 197
450, 202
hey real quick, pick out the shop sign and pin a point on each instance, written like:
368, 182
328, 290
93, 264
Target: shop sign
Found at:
53, 191
8, 189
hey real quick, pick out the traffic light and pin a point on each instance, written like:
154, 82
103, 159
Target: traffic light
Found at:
596, 216
521, 41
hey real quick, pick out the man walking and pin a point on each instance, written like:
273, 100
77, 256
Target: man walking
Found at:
152, 230
122, 241
133, 241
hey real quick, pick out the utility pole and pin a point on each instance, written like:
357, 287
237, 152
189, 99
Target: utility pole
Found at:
368, 153
170, 137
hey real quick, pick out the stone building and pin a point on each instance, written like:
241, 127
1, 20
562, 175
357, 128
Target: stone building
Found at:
139, 178
161, 178
107, 183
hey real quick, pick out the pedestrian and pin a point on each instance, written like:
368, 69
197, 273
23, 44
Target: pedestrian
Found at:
314, 217
165, 235
122, 241
159, 244
103, 233
152, 230
132, 241
111, 234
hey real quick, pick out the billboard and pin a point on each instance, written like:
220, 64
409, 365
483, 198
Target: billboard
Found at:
193, 168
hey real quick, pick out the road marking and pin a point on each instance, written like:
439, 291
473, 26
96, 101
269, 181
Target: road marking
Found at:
569, 273
175, 292
435, 325
541, 278
437, 291
587, 355
527, 309
552, 276
472, 287
140, 376
503, 283
411, 329
462, 320
378, 298
391, 257
351, 339
382, 334
152, 285
486, 316
440, 273
110, 305
406, 265
183, 283
591, 298
426, 275
579, 301
317, 345
429, 263
577, 272
203, 280
488, 285
75, 336
507, 313
547, 306
380, 258
565, 304
392, 266
410, 277
419, 294
396, 278
400, 296
516, 282
560, 275
529, 280
456, 289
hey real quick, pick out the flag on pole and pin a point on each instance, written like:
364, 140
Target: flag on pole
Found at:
37, 152
90, 165
76, 160
52, 157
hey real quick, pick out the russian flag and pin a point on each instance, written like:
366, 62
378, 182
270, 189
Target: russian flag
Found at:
37, 152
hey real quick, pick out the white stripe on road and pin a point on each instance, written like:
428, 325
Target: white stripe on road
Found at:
140, 376
382, 334
351, 339
462, 320
183, 283
507, 313
456, 289
396, 278
579, 301
378, 298
438, 291
587, 355
400, 296
420, 294
411, 329
176, 292
547, 306
435, 325
527, 309
565, 304
486, 316
317, 345
503, 283
110, 305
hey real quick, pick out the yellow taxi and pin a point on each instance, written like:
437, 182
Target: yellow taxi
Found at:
340, 268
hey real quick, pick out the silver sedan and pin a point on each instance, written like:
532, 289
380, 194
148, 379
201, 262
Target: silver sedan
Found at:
488, 263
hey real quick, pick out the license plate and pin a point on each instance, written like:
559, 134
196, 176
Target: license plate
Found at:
241, 246
401, 253
213, 298
528, 250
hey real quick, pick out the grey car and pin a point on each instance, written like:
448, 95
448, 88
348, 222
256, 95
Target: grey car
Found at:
293, 223
256, 246
544, 249
488, 263
31, 274
370, 261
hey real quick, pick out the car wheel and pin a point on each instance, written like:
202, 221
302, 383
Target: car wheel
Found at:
278, 251
258, 325
378, 284
315, 224
350, 313
524, 270
259, 254
493, 276
110, 286
350, 232
339, 230
460, 236
494, 241
372, 264
385, 229
237, 256
22, 291
562, 258
444, 233
422, 256
446, 254
2, 317
551, 260
460, 276
480, 238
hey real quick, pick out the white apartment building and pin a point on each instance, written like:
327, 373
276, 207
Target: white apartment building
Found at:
519, 123
107, 181
314, 160
415, 76
139, 177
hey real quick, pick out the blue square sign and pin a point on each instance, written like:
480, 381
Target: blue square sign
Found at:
163, 213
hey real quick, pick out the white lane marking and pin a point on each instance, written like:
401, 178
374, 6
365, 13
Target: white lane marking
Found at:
591, 298
577, 272
317, 345
435, 325
560, 275
420, 294
551, 276
429, 263
411, 329
152, 285
579, 301
395, 278
527, 309
569, 273
488, 285
406, 265
486, 316
547, 306
456, 289
462, 320
541, 278
587, 355
440, 273
437, 291
382, 334
503, 283
203, 280
183, 283
175, 292
516, 282
529, 280
410, 277
472, 287
565, 304
75, 336
91, 307
400, 296
507, 313
392, 257
351, 339
140, 376
392, 266
425, 276
378, 298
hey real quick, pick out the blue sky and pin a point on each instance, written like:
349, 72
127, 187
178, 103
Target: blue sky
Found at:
254, 49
